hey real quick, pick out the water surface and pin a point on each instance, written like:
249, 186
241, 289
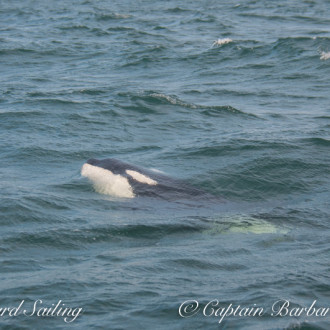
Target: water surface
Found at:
246, 120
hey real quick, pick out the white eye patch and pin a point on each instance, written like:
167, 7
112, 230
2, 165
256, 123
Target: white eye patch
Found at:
141, 178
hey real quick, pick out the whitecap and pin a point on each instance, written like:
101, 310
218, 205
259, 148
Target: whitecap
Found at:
116, 15
221, 42
325, 55
173, 100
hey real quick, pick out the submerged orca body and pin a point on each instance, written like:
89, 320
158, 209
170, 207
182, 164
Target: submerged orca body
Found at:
116, 178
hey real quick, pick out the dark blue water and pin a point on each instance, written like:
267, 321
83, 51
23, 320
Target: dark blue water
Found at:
231, 97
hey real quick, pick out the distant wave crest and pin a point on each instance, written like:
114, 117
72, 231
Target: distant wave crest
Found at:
220, 42
152, 99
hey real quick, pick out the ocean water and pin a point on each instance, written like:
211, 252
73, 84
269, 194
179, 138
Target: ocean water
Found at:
230, 97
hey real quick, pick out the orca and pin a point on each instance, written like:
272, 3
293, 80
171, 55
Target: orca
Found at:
119, 179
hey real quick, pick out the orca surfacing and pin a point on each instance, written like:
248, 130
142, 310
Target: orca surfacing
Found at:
116, 178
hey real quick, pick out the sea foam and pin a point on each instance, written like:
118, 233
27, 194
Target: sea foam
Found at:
325, 55
220, 42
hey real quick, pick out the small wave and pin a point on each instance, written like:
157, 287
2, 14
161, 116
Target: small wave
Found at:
172, 100
74, 27
84, 29
48, 154
112, 16
73, 91
121, 29
59, 101
325, 56
91, 91
155, 98
322, 117
293, 47
9, 266
177, 10
234, 146
264, 17
318, 141
20, 114
220, 42
215, 111
206, 19
206, 264
19, 211
67, 50
295, 325
17, 51
267, 177
75, 238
